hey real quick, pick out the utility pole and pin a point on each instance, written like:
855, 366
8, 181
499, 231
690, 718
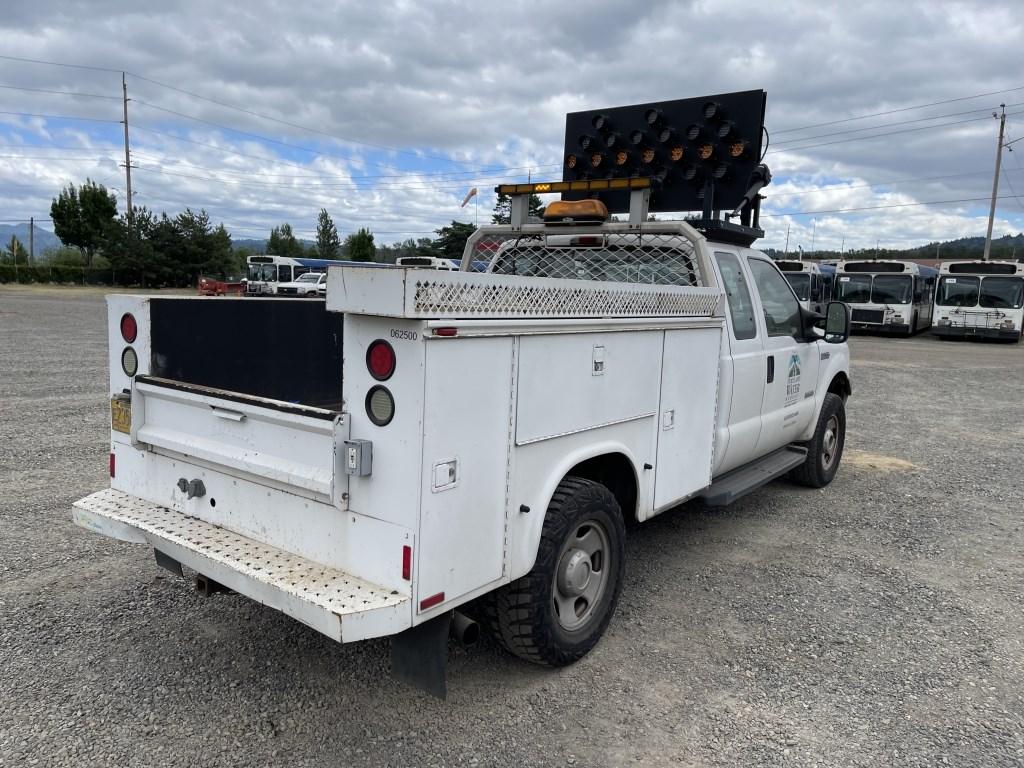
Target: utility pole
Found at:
995, 182
786, 251
814, 230
127, 155
31, 239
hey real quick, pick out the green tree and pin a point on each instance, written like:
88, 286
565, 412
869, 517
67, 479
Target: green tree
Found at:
359, 245
451, 240
503, 209
130, 248
15, 252
82, 216
283, 242
327, 241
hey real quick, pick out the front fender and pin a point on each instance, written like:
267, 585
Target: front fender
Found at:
833, 360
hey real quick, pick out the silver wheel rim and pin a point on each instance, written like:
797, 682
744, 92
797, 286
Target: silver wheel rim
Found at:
581, 576
830, 442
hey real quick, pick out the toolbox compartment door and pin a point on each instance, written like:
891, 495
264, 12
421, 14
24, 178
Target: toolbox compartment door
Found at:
282, 444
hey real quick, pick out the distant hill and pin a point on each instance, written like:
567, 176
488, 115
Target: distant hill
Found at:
1006, 247
44, 238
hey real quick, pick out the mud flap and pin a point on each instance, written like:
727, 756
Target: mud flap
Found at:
419, 656
168, 562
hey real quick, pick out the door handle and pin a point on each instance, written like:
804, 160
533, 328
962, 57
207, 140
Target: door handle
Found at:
771, 368
229, 415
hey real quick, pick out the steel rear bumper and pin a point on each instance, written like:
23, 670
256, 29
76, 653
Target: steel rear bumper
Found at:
331, 601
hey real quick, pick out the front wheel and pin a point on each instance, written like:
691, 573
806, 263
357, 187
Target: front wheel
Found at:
558, 611
825, 450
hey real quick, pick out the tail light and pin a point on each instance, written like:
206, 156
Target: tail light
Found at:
380, 406
380, 360
129, 328
113, 464
129, 362
406, 561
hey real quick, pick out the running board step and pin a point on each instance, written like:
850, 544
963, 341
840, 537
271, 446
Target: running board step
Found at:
742, 481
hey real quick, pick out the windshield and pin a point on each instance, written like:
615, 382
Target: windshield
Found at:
892, 289
1002, 292
309, 277
854, 289
957, 292
262, 272
801, 283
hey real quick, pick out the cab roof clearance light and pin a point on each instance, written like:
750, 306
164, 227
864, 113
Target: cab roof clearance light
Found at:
693, 146
597, 185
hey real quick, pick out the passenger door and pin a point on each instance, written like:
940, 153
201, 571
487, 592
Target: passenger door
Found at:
741, 373
791, 366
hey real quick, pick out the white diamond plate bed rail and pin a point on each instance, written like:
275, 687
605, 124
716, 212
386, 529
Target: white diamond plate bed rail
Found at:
433, 294
336, 603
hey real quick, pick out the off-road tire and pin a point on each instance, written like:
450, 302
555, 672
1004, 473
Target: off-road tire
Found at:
521, 616
824, 456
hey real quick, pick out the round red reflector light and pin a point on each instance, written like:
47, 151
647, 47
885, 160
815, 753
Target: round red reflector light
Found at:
380, 360
129, 328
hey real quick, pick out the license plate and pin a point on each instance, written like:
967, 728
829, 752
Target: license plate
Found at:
121, 414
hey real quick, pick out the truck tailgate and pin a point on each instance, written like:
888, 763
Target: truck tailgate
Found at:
290, 445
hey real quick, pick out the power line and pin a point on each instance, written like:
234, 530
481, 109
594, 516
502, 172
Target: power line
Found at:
901, 109
263, 138
62, 117
881, 207
59, 64
892, 125
317, 174
411, 179
295, 125
59, 93
894, 182
888, 133
335, 186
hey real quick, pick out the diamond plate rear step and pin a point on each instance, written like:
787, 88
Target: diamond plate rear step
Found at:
338, 604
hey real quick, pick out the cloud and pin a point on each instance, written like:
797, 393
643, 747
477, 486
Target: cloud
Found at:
407, 105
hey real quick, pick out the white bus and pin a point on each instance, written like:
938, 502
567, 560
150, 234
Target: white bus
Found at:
980, 299
266, 272
890, 296
812, 283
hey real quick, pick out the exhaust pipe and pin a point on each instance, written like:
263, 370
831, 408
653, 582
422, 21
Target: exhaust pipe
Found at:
464, 629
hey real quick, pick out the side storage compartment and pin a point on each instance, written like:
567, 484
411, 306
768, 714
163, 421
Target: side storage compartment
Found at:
687, 413
466, 425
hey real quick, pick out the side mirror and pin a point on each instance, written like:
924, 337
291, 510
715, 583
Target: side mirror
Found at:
837, 322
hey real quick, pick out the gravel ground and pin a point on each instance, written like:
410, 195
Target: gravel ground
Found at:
878, 622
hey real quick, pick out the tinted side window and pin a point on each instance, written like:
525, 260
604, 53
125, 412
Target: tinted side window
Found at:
781, 310
741, 308
284, 274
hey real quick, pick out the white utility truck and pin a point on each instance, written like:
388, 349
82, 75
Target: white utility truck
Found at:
980, 299
482, 434
467, 439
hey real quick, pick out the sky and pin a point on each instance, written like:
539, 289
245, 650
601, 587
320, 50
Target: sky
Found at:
387, 113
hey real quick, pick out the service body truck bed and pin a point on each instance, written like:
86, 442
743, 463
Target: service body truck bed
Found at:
477, 437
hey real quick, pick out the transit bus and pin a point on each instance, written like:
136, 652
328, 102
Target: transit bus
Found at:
890, 296
266, 272
812, 283
980, 299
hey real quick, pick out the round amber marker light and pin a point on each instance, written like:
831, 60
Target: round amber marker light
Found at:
705, 151
648, 155
595, 159
570, 161
676, 154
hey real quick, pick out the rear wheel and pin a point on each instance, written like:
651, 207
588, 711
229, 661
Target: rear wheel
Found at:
557, 612
825, 450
